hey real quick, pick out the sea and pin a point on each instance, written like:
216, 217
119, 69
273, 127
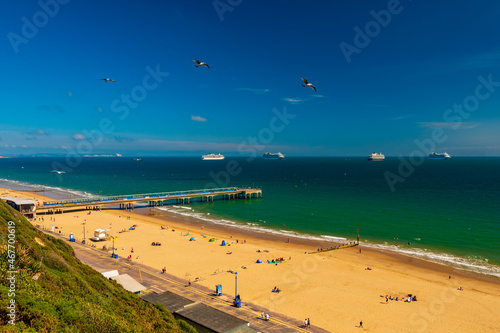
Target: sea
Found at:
443, 211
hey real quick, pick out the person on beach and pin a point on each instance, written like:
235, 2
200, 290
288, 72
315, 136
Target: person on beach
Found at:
267, 316
361, 324
308, 323
305, 323
189, 282
263, 315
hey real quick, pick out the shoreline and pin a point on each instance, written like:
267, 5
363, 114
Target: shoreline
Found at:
311, 244
313, 285
51, 193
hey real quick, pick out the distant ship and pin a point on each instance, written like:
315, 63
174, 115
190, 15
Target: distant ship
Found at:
436, 156
273, 156
212, 157
376, 157
137, 159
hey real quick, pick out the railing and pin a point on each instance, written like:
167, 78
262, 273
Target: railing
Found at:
148, 196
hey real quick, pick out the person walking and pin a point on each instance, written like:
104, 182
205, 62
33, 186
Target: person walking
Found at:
361, 324
308, 323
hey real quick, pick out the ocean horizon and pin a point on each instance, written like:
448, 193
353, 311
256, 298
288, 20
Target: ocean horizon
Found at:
443, 211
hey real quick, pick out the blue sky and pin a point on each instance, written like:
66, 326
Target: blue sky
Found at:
386, 89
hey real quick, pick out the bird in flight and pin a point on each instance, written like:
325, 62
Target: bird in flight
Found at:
200, 63
58, 172
107, 80
307, 84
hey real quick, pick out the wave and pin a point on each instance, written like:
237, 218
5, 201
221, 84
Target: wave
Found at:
252, 226
51, 190
473, 264
477, 265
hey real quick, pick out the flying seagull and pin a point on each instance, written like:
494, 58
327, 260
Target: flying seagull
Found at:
107, 80
200, 63
307, 84
58, 172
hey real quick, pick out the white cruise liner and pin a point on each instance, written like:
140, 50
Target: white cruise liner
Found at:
439, 156
273, 156
376, 157
212, 157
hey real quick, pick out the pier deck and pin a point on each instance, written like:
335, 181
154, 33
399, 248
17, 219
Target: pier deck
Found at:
153, 199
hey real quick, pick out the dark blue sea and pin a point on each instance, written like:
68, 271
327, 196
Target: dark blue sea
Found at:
448, 210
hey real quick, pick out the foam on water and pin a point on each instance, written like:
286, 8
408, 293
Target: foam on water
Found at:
20, 185
469, 264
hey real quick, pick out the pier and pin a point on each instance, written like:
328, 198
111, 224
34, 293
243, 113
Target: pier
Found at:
152, 199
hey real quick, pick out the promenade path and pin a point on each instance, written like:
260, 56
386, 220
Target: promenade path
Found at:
155, 281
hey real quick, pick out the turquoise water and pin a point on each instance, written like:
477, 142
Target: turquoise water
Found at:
447, 209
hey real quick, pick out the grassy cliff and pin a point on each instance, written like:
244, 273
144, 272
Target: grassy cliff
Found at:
55, 292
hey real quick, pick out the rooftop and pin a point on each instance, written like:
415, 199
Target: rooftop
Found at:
20, 201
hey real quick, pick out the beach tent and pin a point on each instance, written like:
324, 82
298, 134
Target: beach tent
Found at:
211, 240
187, 234
191, 239
259, 261
223, 243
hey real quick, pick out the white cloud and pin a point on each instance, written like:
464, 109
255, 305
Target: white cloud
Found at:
198, 118
292, 100
257, 91
38, 132
78, 136
447, 124
299, 100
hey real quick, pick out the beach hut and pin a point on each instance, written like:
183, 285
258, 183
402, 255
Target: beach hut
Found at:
100, 235
223, 243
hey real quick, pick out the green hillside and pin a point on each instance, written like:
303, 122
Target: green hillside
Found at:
55, 292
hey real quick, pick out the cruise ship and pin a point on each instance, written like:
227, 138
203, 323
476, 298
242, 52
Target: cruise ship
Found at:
439, 156
376, 157
212, 157
273, 156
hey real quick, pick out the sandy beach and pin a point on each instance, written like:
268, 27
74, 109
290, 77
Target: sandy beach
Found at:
334, 289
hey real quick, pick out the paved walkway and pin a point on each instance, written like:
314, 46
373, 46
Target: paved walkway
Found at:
156, 281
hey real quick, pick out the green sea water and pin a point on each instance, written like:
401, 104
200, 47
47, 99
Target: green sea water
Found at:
446, 209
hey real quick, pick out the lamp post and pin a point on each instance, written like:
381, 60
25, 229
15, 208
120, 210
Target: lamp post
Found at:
83, 233
235, 287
